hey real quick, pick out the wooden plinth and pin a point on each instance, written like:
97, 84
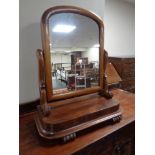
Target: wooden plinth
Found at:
70, 118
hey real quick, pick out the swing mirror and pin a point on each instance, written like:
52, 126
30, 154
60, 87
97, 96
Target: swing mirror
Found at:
71, 64
73, 50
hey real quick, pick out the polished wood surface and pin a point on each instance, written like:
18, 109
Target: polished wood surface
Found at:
86, 143
42, 87
76, 114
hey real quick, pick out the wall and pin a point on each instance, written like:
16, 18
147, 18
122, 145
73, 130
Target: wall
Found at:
119, 35
119, 21
30, 39
60, 58
92, 54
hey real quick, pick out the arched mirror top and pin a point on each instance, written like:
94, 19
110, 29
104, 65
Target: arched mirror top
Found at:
73, 50
69, 9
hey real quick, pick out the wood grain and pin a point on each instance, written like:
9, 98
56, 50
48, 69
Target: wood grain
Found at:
126, 69
32, 144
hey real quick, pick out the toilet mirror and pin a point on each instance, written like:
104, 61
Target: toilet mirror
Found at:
73, 50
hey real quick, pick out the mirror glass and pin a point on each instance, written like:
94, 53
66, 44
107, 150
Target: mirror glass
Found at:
74, 47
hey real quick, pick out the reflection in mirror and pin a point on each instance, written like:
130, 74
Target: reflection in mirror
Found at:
74, 47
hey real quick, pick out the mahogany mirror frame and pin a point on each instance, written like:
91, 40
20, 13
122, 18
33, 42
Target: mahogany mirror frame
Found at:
102, 88
90, 110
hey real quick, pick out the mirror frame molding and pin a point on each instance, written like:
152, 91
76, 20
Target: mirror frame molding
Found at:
102, 88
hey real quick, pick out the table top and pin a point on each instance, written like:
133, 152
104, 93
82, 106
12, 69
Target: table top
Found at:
32, 144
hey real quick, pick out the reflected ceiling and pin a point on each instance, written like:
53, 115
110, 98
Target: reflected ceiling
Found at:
86, 33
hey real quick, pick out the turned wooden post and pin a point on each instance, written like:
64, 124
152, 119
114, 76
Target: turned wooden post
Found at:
42, 86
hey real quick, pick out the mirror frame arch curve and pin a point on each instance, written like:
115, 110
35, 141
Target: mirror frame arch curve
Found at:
47, 57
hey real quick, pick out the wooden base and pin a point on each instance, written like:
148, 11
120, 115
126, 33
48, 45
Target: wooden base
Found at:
65, 121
